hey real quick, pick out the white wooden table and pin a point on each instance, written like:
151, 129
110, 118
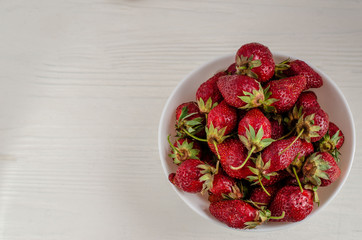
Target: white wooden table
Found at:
83, 84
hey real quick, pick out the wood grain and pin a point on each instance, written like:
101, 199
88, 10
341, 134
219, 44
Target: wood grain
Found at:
83, 84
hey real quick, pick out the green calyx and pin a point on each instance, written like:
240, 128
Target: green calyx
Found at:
244, 66
306, 129
236, 192
206, 107
253, 142
281, 67
257, 98
314, 169
328, 144
208, 172
183, 152
183, 124
263, 215
215, 135
315, 193
297, 164
260, 172
293, 117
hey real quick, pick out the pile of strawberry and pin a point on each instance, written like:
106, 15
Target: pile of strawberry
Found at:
256, 141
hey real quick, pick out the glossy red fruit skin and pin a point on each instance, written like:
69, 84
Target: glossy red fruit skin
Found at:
321, 119
261, 52
258, 195
256, 119
306, 148
281, 161
233, 86
334, 172
234, 213
187, 176
287, 91
296, 205
308, 101
332, 130
282, 174
277, 130
222, 184
231, 70
191, 108
298, 67
233, 153
209, 89
223, 116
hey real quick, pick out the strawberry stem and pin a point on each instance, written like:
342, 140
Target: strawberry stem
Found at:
247, 158
286, 135
194, 137
276, 218
216, 149
296, 176
285, 149
172, 146
262, 186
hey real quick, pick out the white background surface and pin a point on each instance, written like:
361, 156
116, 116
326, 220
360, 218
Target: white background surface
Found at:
82, 87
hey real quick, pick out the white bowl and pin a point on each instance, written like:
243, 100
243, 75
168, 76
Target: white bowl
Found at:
330, 98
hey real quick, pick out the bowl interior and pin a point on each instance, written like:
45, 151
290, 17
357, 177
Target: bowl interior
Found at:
329, 97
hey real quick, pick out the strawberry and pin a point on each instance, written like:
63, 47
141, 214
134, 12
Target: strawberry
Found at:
224, 187
281, 153
231, 70
254, 132
208, 95
312, 126
189, 118
232, 154
332, 141
239, 91
298, 67
277, 129
255, 60
183, 149
239, 214
320, 169
221, 121
193, 176
308, 101
286, 91
259, 196
297, 205
282, 174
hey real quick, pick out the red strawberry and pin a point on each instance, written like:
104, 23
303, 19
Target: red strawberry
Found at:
231, 69
254, 132
282, 174
277, 129
189, 118
286, 91
298, 67
208, 95
259, 196
297, 205
332, 141
255, 60
333, 129
281, 153
232, 154
234, 87
312, 126
320, 169
224, 187
184, 149
308, 101
193, 176
221, 121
